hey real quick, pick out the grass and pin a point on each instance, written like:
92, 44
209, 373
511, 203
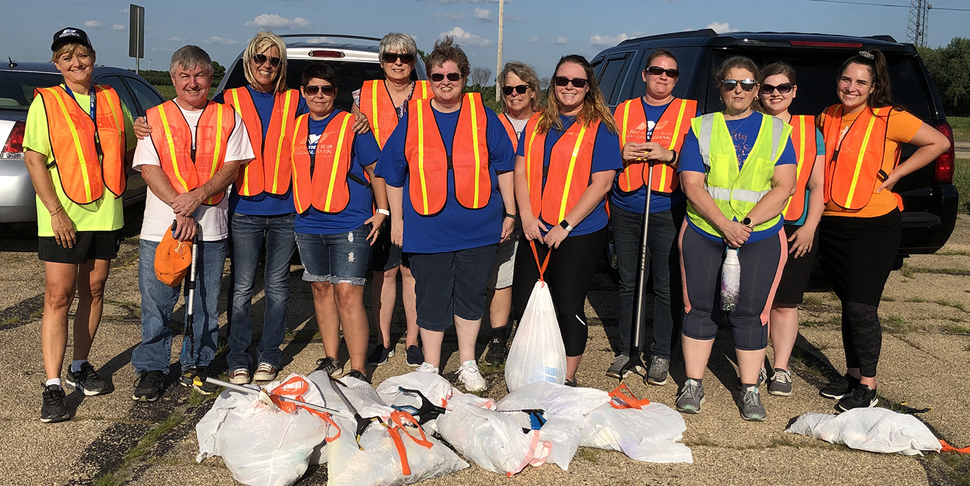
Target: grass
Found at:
168, 92
589, 454
954, 252
955, 305
896, 324
886, 298
119, 476
956, 329
813, 300
961, 179
961, 127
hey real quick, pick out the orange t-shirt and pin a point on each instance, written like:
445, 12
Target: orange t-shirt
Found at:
902, 128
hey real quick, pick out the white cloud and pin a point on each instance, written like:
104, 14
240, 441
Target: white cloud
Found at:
220, 41
177, 39
607, 40
449, 16
118, 27
124, 10
483, 14
93, 24
466, 38
561, 40
513, 18
721, 28
534, 40
273, 21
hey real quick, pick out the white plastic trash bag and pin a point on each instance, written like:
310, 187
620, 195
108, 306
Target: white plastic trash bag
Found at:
493, 440
555, 400
869, 429
537, 352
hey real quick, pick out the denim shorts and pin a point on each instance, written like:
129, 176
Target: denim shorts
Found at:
450, 284
337, 258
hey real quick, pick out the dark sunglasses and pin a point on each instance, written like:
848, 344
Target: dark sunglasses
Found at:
521, 89
312, 91
578, 83
262, 58
657, 71
732, 84
392, 57
783, 88
438, 77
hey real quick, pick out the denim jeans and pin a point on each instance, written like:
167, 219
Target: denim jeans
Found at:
663, 262
158, 300
249, 235
336, 258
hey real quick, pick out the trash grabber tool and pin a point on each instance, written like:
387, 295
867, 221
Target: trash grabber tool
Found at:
426, 412
635, 364
187, 379
536, 418
264, 395
362, 422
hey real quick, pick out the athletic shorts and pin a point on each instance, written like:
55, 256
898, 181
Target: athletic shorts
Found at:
794, 279
450, 284
91, 245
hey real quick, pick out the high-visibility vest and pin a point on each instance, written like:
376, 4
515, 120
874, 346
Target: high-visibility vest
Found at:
172, 137
76, 141
568, 172
270, 170
736, 191
429, 164
326, 187
854, 167
669, 131
509, 129
376, 105
804, 141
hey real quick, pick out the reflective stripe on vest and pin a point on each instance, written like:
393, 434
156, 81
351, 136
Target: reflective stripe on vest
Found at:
270, 170
172, 138
737, 190
77, 141
854, 168
669, 131
804, 141
376, 105
429, 162
570, 166
326, 188
510, 130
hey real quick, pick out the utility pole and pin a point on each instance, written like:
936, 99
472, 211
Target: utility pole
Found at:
918, 25
498, 63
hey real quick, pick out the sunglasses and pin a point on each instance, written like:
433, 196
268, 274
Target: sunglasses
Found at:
521, 89
312, 91
657, 71
260, 59
783, 88
578, 83
438, 77
732, 84
392, 57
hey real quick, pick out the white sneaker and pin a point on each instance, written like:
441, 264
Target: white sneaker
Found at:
469, 376
427, 368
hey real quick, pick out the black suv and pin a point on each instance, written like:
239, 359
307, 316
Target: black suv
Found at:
929, 196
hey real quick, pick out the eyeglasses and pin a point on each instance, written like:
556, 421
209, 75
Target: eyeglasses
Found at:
578, 83
732, 84
521, 89
392, 57
260, 59
326, 90
657, 71
783, 88
439, 77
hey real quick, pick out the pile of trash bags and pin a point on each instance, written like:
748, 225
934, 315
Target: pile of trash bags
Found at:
869, 429
400, 433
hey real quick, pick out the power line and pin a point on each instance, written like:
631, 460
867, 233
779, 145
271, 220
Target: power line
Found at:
849, 2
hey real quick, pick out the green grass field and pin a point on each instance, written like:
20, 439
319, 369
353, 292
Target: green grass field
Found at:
169, 91
961, 179
961, 127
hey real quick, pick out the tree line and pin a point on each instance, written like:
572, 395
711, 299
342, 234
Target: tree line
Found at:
949, 68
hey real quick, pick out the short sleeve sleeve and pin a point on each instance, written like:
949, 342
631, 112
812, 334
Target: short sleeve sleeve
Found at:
239, 147
606, 154
36, 138
690, 154
903, 126
392, 165
501, 156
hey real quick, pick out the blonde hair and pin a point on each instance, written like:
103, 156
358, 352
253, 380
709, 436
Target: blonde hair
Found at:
71, 48
260, 43
594, 107
525, 73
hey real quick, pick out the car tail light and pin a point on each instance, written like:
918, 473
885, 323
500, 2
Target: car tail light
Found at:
943, 171
14, 148
327, 53
851, 45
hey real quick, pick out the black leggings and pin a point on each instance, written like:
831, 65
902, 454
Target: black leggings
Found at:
571, 268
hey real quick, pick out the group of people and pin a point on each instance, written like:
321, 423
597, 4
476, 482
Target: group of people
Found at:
424, 180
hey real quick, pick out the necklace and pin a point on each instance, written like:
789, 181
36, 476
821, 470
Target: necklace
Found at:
737, 128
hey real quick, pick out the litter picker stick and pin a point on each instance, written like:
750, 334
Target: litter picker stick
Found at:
264, 395
190, 298
362, 423
635, 364
426, 412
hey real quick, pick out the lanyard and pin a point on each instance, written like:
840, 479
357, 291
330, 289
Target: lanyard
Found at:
93, 112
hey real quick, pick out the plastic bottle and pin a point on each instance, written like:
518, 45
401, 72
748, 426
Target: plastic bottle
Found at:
730, 280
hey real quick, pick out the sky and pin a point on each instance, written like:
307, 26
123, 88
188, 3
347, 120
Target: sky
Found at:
537, 32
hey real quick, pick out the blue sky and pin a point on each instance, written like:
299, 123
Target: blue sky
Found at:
537, 32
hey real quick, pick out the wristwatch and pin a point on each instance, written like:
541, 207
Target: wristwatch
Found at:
565, 226
509, 215
747, 222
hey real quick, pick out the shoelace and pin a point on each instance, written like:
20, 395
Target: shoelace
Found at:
752, 397
691, 389
782, 377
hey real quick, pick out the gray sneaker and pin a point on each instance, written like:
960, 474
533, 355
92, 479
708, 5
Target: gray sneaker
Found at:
616, 369
780, 383
691, 397
750, 405
762, 376
659, 367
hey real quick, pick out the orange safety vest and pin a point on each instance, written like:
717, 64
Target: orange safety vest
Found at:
326, 188
669, 131
171, 135
376, 105
855, 162
270, 170
429, 162
76, 142
804, 142
507, 123
570, 166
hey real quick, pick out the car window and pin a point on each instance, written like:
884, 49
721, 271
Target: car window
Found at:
17, 88
119, 87
146, 96
610, 79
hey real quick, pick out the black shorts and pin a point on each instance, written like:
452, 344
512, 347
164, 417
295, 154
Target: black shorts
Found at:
791, 289
450, 284
91, 245
386, 255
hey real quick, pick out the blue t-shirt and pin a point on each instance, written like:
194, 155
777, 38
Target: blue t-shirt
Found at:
820, 150
606, 156
263, 204
365, 151
636, 201
744, 136
455, 227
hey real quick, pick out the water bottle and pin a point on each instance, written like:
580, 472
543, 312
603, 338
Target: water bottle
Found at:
730, 280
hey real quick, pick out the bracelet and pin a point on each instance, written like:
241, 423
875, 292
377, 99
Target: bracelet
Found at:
510, 215
674, 158
385, 212
59, 209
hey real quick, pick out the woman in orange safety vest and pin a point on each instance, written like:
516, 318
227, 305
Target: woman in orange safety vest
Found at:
861, 227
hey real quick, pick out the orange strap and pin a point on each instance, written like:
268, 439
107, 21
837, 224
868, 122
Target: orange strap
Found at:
949, 448
294, 388
398, 417
626, 398
542, 266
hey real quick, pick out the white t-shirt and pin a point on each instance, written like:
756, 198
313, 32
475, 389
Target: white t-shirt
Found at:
518, 126
214, 220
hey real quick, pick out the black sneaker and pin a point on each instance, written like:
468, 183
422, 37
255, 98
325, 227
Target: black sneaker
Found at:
202, 384
53, 409
414, 355
149, 386
571, 383
780, 383
327, 365
840, 387
86, 380
358, 375
497, 352
380, 355
861, 397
